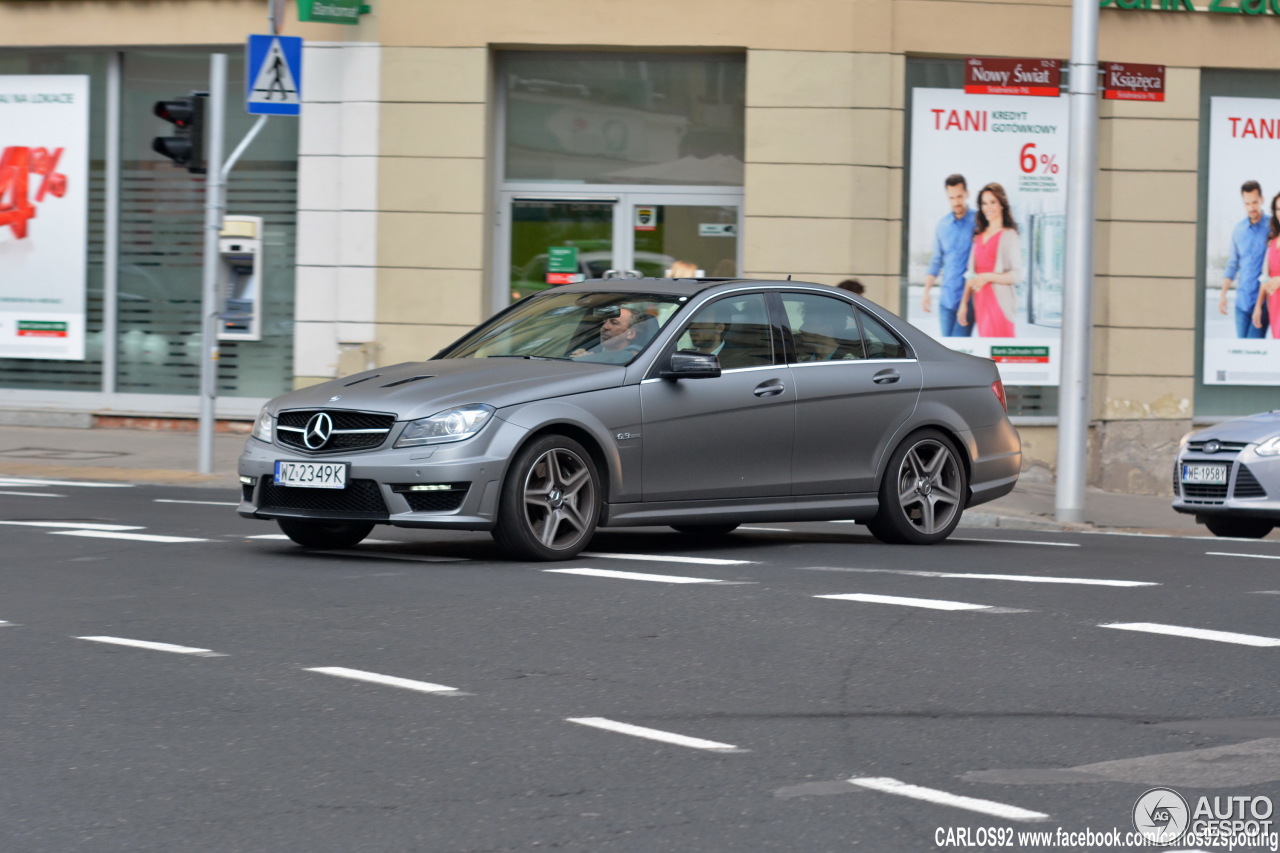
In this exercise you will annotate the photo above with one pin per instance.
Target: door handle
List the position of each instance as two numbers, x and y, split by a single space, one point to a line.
886 377
769 389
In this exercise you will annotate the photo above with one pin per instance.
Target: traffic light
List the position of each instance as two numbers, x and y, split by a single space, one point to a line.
186 148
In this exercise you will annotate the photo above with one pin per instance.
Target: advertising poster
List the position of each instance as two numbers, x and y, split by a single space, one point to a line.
44 205
1014 312
1240 345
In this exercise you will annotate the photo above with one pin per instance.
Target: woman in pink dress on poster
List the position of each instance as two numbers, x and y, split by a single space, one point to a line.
1269 291
995 266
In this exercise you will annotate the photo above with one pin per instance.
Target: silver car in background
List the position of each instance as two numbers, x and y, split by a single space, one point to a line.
1228 476
698 404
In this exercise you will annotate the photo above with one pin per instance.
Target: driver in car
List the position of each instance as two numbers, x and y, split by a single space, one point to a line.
617 334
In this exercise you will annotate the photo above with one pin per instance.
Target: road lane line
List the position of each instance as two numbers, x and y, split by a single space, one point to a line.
654 734
202 503
34 494
887 785
133 537
769 529
1015 541
988 577
79 525
18 481
631 576
155 647
662 558
928 603
1230 554
1196 633
388 680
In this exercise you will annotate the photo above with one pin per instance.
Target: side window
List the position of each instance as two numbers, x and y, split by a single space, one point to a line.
735 329
881 343
824 329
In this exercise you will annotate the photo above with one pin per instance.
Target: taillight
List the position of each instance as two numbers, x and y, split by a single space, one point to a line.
997 388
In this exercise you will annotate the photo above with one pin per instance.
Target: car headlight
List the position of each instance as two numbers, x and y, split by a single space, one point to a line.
1270 447
264 426
451 425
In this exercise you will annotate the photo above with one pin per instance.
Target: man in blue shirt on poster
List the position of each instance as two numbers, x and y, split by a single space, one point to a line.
951 245
1244 265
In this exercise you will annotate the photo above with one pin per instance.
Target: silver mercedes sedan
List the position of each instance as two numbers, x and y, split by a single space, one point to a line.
1228 476
695 403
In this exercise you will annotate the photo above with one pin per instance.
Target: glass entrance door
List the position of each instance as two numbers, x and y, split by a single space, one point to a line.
684 238
549 240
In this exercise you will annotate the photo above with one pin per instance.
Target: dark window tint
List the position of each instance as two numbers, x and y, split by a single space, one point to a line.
824 329
735 329
881 343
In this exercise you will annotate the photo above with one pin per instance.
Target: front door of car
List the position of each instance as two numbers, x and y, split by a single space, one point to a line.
855 388
727 437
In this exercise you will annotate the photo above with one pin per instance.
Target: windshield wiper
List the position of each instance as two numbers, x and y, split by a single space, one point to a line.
538 357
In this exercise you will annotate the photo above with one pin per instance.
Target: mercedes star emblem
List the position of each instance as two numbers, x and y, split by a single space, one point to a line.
319 428
1212 446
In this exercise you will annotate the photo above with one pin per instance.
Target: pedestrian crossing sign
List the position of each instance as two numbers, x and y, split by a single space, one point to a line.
273 76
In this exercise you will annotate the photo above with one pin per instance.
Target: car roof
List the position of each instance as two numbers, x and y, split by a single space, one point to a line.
673 286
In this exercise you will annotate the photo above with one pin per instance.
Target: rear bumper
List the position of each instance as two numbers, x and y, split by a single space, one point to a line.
996 452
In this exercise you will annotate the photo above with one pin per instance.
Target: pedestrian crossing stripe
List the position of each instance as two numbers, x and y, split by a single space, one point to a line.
274 74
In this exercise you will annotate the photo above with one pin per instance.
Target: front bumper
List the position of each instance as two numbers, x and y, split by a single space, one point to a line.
1252 489
378 483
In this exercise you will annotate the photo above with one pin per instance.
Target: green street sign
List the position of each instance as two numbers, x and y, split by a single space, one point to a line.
562 259
332 11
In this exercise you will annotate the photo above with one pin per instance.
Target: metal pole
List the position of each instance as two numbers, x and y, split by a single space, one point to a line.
111 230
210 306
1077 314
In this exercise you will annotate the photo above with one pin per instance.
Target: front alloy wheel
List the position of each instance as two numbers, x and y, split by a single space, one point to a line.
922 493
550 501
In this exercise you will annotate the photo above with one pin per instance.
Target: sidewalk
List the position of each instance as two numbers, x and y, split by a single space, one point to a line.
170 458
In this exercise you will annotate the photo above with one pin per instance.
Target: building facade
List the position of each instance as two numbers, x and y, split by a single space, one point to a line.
444 149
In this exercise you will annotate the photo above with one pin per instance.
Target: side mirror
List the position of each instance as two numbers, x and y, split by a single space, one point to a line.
690 364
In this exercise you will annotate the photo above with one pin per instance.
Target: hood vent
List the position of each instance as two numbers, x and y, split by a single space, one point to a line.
406 381
365 379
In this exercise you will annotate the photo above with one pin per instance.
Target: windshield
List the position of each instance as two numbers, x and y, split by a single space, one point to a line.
602 327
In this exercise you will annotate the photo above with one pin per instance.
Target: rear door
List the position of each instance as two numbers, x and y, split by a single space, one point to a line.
856 384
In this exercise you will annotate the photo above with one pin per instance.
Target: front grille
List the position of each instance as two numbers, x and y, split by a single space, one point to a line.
246 492
1247 485
441 500
360 499
1177 478
349 429
1200 493
1226 447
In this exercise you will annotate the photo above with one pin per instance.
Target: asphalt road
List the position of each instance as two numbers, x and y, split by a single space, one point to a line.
805 688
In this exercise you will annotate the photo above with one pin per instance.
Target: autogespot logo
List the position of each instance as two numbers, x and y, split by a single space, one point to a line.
1161 815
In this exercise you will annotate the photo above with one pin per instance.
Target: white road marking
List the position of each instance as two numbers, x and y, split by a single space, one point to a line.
282 537
34 494
1014 541
382 555
389 680
928 603
942 798
1196 633
654 734
133 537
156 647
992 577
631 576
663 558
79 525
769 529
203 503
16 481
1229 554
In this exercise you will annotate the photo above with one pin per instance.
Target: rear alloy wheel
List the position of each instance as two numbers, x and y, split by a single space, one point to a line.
705 529
1239 528
550 501
324 534
922 493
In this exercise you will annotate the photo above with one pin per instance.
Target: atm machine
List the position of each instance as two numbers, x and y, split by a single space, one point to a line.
240 269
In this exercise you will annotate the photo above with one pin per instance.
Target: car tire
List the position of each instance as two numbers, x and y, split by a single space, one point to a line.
324 534
705 529
922 493
1239 528
550 502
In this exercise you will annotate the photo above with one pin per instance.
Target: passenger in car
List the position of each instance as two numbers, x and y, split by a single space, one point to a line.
825 337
